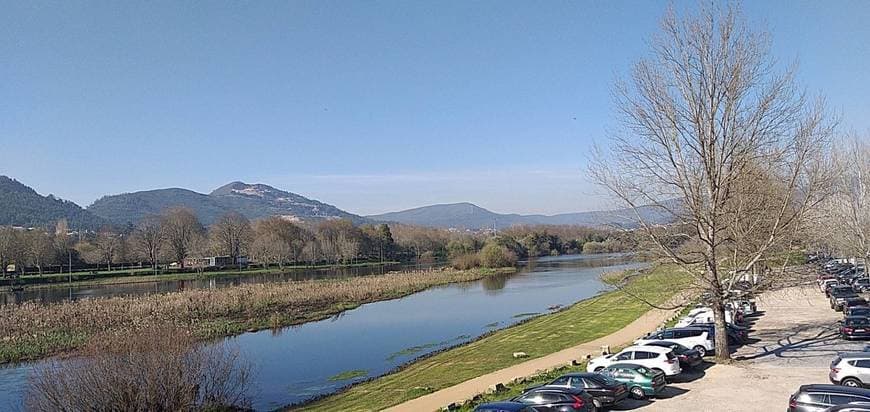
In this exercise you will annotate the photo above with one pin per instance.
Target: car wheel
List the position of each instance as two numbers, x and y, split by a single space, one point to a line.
595 406
701 350
851 382
637 392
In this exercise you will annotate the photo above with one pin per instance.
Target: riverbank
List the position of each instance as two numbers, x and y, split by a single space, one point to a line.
120 277
32 330
582 322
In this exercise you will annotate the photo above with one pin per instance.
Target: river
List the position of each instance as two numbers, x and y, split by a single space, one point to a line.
297 363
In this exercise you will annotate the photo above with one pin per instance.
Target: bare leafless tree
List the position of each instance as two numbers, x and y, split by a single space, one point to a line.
157 369
40 249
845 219
148 238
712 137
182 229
231 235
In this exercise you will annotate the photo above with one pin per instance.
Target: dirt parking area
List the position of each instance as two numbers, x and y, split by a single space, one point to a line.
793 341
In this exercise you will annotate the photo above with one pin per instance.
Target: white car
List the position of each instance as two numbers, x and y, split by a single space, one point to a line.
656 358
702 315
698 339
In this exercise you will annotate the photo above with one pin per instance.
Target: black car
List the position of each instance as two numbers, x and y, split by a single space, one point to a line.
811 398
855 327
553 399
854 302
735 336
839 295
689 358
857 311
504 407
605 391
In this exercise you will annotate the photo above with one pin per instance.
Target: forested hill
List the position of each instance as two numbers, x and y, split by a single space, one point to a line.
254 201
471 216
22 206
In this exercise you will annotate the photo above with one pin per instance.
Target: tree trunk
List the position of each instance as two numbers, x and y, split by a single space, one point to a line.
723 354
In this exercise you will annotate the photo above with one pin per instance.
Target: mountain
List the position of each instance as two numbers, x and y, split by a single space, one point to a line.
470 216
22 206
254 201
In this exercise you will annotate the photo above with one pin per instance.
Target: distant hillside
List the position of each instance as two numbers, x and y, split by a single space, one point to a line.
251 200
470 216
22 206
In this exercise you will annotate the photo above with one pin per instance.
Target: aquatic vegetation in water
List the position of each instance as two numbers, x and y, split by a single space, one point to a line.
348 375
526 314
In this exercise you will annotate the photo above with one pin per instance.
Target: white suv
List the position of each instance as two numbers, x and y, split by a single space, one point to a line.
656 358
702 315
698 339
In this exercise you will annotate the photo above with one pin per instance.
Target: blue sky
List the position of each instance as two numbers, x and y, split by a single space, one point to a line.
370 105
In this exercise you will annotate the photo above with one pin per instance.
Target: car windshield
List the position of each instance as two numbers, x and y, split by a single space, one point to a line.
857 321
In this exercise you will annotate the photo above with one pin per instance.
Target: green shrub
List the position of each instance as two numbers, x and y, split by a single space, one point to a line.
496 256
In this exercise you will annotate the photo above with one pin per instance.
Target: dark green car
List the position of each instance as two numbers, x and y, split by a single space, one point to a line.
641 381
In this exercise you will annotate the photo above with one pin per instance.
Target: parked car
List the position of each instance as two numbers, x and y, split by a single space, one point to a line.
855 327
851 369
505 407
702 315
735 336
654 357
812 398
605 391
853 302
747 306
698 339
553 399
850 407
689 358
857 311
642 382
826 284
839 295
861 285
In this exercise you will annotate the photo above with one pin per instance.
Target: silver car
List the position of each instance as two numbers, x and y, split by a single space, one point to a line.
851 369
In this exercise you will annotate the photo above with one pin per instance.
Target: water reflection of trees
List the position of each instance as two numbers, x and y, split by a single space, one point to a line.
494 285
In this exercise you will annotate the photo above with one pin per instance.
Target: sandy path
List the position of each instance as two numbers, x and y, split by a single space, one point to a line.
468 389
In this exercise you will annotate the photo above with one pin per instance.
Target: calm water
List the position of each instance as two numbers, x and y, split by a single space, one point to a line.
61 293
296 363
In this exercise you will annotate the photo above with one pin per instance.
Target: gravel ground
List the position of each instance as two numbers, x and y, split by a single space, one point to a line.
794 341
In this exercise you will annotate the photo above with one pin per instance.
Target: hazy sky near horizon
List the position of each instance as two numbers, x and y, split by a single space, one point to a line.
372 106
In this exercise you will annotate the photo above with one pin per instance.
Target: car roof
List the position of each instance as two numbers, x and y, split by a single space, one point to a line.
628 365
646 348
502 406
560 389
685 328
663 343
834 388
582 375
854 355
